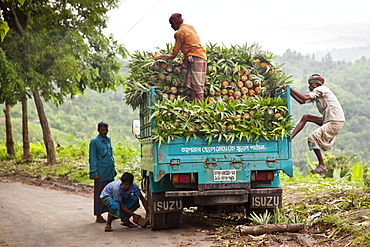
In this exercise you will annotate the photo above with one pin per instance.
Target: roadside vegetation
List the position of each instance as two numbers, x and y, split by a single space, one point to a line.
72 165
335 211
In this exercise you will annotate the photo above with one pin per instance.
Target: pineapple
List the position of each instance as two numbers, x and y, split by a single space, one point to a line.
249 84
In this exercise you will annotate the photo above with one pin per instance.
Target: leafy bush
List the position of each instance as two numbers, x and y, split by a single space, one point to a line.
72 161
339 165
3 153
73 150
127 159
344 167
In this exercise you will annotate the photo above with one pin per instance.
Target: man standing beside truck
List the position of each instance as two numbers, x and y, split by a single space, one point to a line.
102 168
194 56
330 123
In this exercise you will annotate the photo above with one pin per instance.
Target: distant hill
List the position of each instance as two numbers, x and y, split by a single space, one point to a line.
76 120
345 54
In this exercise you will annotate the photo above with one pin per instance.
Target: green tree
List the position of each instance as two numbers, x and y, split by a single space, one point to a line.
4 27
8 81
61 50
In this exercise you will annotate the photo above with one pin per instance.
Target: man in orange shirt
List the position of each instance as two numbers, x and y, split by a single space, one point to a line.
194 56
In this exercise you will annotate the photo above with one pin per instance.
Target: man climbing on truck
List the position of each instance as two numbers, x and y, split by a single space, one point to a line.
194 56
330 123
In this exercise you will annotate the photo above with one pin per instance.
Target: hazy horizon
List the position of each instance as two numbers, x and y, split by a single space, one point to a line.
305 27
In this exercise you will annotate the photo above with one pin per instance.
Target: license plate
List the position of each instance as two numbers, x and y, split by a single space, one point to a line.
167 205
265 201
224 175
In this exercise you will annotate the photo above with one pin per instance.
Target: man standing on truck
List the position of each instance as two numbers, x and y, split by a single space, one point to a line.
194 56
330 123
102 168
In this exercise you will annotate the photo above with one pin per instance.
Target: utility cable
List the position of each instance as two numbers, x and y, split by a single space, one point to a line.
140 20
115 9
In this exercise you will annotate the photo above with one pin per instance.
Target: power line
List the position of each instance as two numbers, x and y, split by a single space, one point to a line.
114 11
140 20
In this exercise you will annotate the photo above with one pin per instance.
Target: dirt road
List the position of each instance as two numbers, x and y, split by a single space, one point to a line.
34 216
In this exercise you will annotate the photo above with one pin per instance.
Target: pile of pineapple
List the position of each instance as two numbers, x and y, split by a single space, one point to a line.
240 95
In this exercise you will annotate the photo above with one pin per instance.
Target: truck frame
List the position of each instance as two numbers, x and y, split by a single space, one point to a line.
193 172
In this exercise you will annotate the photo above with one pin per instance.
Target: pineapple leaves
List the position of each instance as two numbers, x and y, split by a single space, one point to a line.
241 97
221 121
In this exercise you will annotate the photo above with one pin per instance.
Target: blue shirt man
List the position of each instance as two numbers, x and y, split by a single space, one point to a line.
122 198
114 190
102 168
101 158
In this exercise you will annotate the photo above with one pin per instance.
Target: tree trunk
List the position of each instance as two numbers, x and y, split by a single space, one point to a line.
9 134
25 133
49 145
270 228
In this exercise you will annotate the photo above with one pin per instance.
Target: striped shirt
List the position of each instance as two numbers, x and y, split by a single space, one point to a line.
327 104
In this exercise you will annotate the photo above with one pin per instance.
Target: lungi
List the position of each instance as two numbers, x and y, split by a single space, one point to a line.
99 206
323 137
195 76
132 203
113 206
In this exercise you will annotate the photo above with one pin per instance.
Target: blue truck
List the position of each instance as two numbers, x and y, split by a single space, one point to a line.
193 172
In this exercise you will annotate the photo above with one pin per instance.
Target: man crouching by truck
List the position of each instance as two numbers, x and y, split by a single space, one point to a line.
122 199
330 123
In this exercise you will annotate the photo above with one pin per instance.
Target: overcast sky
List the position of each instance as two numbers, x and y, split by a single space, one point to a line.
276 25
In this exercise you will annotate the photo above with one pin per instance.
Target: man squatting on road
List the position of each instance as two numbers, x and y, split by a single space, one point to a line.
122 199
102 168
330 123
194 56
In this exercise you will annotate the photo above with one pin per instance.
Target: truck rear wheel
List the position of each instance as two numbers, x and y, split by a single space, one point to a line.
157 220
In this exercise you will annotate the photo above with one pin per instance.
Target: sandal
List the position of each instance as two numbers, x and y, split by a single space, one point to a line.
319 170
108 229
129 225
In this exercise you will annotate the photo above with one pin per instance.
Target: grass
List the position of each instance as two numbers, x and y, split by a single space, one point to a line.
72 162
338 209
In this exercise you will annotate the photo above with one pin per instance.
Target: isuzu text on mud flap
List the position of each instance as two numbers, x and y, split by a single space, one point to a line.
194 172
265 201
168 205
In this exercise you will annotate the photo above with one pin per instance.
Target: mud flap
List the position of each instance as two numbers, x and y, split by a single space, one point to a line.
264 199
165 212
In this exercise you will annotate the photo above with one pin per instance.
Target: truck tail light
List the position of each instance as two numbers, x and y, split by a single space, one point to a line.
182 178
262 176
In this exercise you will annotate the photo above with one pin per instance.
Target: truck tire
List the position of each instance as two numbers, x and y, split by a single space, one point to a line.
157 220
174 219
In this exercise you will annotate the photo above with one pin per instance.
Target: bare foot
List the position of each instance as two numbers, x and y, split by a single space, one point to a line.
100 219
320 169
